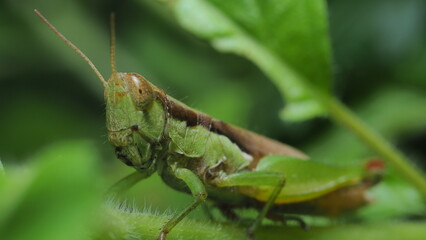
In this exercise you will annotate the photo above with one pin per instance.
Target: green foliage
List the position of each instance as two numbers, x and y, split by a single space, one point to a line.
58 191
49 95
288 40
391 123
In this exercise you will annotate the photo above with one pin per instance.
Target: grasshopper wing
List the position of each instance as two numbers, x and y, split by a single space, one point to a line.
305 180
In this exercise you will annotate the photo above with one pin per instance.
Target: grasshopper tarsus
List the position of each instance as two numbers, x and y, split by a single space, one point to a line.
283 218
302 224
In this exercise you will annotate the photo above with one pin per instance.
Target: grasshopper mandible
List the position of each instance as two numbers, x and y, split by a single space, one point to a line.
235 168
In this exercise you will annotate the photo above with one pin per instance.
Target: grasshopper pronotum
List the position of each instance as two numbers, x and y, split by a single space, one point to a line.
234 167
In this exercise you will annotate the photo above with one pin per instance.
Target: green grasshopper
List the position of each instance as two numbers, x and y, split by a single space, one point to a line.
236 168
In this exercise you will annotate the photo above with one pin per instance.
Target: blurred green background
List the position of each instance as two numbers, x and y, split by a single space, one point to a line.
48 94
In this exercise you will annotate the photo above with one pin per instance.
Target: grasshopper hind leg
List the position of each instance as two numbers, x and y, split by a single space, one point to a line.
257 178
262 214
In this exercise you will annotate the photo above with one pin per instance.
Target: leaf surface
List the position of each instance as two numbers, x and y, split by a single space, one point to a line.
57 193
287 39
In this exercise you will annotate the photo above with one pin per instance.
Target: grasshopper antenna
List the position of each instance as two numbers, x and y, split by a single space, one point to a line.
78 51
112 47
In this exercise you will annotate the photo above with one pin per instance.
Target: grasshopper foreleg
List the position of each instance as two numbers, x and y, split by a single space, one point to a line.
126 183
198 192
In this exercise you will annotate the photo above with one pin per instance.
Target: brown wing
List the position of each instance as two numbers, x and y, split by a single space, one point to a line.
254 144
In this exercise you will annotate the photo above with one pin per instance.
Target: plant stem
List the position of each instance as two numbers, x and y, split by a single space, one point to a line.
117 224
343 115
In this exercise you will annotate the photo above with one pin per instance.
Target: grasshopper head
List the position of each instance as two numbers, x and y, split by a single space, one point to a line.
129 102
127 95
128 98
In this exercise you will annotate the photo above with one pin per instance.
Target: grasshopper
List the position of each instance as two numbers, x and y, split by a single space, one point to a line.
235 168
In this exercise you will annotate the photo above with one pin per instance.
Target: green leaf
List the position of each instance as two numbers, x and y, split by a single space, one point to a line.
54 198
287 39
393 198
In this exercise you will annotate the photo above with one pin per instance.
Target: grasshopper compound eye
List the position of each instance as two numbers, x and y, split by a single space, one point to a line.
134 86
140 90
